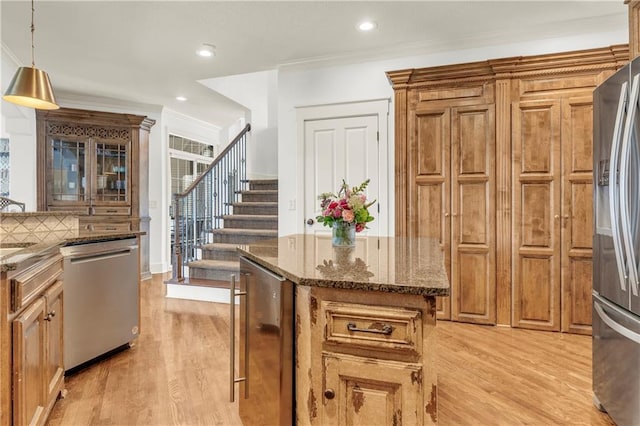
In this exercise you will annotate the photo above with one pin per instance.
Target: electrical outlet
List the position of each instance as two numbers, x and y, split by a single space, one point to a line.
292 204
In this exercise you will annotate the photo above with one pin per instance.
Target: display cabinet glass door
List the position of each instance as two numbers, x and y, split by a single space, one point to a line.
69 170
111 179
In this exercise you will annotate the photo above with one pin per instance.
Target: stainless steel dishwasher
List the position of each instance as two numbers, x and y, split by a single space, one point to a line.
100 299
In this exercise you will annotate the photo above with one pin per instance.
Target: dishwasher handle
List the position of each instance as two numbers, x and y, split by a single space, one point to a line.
104 255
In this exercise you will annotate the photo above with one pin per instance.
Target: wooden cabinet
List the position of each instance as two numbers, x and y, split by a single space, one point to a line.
364 358
451 192
96 164
552 168
494 159
32 372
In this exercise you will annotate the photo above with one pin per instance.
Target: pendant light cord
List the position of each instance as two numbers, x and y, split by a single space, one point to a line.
33 30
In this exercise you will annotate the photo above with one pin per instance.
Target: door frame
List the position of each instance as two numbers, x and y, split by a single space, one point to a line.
375 107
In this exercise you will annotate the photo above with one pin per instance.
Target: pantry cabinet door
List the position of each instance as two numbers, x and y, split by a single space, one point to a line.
473 206
536 212
577 213
429 192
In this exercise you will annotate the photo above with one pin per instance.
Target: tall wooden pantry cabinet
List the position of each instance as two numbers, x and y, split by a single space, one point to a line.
96 164
494 159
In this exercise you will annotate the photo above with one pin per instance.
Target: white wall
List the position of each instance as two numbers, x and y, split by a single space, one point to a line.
366 81
19 125
173 123
258 93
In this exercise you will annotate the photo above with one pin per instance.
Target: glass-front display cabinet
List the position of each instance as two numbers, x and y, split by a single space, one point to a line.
88 172
96 164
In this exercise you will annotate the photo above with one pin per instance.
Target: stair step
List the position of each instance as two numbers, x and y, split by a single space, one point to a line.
219 270
250 221
263 184
220 251
242 236
255 208
258 195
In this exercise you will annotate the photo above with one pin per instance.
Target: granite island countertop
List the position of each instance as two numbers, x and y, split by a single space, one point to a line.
385 264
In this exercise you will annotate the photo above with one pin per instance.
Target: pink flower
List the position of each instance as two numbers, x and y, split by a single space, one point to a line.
337 213
333 205
347 215
359 227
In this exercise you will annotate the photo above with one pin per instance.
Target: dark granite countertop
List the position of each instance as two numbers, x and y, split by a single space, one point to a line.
387 264
13 254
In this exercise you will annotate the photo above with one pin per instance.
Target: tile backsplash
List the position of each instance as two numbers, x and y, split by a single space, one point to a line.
37 226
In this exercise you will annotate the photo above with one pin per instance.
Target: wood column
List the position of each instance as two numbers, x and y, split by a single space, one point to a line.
634 28
503 202
399 80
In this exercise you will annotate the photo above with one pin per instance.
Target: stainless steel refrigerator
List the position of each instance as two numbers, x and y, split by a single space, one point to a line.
266 346
616 246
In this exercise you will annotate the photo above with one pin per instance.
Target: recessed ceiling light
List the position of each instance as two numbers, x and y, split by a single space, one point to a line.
367 26
181 98
206 50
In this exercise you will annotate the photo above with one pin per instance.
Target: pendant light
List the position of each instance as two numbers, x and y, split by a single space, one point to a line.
30 86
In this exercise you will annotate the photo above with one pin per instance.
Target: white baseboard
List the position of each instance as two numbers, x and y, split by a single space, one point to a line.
160 268
205 294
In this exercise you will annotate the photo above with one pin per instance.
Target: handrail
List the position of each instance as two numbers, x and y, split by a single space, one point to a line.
215 161
201 207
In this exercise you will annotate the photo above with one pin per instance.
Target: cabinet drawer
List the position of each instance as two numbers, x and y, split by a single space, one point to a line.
27 286
109 226
112 211
379 328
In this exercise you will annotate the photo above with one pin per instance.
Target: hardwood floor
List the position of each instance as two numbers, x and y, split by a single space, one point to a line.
177 374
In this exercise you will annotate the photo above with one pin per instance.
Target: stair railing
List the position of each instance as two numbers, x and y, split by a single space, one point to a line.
202 206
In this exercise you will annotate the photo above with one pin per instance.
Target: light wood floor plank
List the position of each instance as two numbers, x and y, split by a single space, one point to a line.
177 374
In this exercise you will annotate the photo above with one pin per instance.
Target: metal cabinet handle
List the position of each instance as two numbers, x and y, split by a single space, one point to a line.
50 315
232 342
386 329
329 393
310 221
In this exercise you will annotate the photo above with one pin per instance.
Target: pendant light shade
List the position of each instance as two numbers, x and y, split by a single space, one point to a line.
31 87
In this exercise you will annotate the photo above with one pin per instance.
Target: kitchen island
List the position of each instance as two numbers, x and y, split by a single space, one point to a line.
364 326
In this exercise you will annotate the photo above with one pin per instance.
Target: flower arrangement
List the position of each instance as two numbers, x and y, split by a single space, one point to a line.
348 206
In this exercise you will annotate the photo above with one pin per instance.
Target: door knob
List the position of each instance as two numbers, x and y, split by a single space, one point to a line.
329 393
310 221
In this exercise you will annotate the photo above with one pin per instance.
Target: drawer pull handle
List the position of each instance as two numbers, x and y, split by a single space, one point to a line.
329 394
112 211
379 328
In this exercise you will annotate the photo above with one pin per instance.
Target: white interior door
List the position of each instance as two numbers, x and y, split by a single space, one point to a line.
336 149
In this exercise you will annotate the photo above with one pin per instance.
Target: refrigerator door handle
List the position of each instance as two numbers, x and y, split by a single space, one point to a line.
624 182
614 195
623 331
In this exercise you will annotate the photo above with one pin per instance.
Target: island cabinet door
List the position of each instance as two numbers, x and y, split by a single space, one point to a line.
362 391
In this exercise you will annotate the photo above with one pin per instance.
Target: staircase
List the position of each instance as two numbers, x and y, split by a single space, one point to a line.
254 218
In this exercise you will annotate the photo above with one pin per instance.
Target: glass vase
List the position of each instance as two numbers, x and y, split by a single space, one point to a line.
343 234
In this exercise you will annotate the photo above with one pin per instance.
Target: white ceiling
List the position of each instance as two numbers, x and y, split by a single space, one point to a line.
144 51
